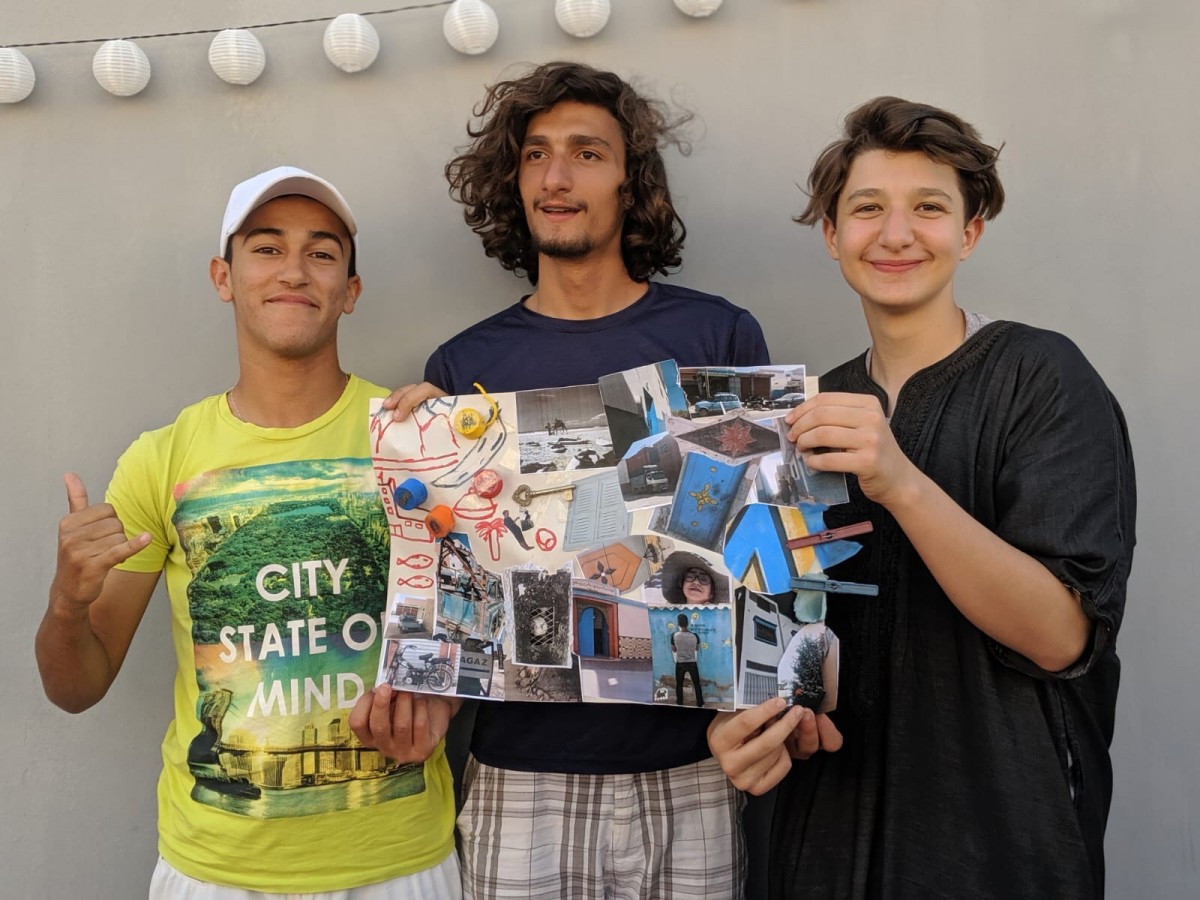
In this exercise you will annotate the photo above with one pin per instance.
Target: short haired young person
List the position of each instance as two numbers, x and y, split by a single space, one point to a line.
977 691
260 505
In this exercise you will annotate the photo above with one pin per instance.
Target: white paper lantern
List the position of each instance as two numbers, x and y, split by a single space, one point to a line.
121 68
16 75
470 26
582 18
351 42
698 8
236 56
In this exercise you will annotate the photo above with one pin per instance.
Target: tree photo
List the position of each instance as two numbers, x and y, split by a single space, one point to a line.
803 683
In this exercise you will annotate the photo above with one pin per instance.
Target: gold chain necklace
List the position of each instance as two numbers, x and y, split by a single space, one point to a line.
237 413
233 406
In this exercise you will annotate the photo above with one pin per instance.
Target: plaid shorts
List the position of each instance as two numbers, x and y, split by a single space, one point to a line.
650 836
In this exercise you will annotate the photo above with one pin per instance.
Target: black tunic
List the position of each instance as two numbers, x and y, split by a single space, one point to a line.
967 771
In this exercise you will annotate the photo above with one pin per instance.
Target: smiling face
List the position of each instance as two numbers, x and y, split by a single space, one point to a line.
901 231
287 278
570 176
697 586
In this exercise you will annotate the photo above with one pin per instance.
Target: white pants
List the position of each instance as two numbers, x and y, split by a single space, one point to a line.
440 882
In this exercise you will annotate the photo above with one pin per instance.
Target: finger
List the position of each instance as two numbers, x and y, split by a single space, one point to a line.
832 461
832 437
839 398
359 715
400 725
379 719
831 737
772 777
419 715
410 397
818 402
406 401
393 398
797 412
851 410
124 550
790 746
745 764
440 712
90 557
758 772
103 540
809 418
776 733
732 730
77 495
91 522
805 739
86 527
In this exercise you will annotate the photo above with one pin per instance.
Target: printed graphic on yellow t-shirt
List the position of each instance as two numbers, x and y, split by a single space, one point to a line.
288 568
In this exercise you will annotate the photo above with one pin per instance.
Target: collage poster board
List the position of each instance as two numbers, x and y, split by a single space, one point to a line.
652 538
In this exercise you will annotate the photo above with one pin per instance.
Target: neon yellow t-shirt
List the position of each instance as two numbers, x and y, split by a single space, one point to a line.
275 549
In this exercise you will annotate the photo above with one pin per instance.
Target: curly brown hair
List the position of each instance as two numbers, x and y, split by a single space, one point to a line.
484 176
901 126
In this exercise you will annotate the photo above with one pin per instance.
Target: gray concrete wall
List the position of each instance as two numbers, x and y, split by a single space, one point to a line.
109 211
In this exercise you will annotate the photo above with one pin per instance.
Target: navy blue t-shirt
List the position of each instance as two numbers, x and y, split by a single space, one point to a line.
519 350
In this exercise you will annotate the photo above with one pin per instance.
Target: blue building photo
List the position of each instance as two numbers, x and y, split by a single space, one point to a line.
713 627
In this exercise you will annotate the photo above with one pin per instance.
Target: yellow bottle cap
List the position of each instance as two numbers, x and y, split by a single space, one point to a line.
469 423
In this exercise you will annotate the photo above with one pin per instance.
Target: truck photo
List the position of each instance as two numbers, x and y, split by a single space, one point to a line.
649 480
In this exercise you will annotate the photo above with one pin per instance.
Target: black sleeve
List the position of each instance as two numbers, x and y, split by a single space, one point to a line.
1065 489
436 371
747 346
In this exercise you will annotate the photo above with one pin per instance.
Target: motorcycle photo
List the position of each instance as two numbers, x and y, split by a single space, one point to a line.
412 667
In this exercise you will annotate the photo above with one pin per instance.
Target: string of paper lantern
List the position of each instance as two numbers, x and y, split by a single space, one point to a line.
470 26
698 8
237 56
121 68
16 75
351 43
582 18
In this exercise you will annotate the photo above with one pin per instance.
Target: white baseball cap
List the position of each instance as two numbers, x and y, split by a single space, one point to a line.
281 182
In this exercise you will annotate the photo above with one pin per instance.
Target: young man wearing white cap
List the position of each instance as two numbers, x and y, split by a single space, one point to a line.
259 504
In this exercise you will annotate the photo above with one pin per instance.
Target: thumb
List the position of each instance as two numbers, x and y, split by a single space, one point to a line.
77 495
